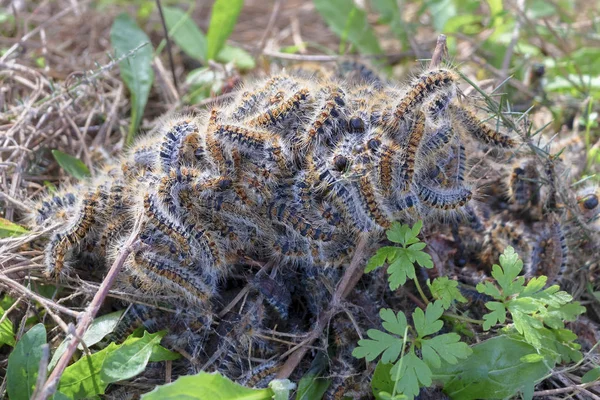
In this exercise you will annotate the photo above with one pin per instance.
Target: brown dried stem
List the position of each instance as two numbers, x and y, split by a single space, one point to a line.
441 49
88 316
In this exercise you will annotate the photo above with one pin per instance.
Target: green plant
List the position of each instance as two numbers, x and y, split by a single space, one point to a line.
414 355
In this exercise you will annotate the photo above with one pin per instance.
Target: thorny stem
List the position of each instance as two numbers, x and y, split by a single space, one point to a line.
88 315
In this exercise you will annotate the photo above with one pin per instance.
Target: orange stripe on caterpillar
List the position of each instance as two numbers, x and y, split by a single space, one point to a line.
63 241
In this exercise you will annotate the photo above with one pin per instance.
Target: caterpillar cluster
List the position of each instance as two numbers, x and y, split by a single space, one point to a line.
288 174
292 170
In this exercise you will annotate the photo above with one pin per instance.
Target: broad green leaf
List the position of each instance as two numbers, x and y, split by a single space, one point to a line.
99 328
414 373
348 21
428 323
446 291
72 165
7 335
130 358
136 70
23 363
382 381
223 18
83 379
392 322
185 33
382 255
498 314
311 385
379 343
239 57
447 346
532 358
206 386
159 353
493 371
591 376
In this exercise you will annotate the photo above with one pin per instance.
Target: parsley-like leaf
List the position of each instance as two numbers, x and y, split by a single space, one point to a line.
446 291
498 314
401 269
379 343
383 254
428 323
413 374
447 346
394 323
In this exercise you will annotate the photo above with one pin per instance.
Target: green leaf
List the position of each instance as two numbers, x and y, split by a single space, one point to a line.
382 380
9 229
58 353
380 342
348 21
311 385
99 328
511 268
493 371
392 322
136 70
497 316
206 386
398 233
7 335
381 256
447 346
72 165
222 21
239 57
532 358
23 363
159 353
413 373
490 289
401 269
591 376
446 291
416 255
83 379
130 358
185 33
429 322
